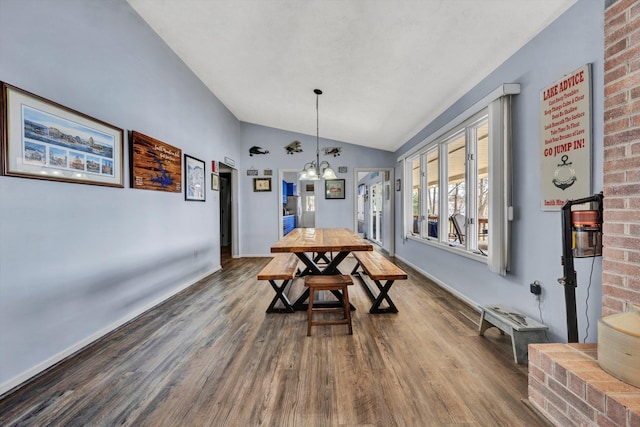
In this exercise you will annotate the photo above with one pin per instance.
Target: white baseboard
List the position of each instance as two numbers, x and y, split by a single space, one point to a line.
443 285
71 350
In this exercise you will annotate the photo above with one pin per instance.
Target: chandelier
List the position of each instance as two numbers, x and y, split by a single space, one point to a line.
313 170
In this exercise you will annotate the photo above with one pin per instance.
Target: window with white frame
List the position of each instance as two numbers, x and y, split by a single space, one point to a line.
464 180
459 186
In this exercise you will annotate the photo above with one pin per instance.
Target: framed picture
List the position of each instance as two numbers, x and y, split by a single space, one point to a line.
261 184
215 182
155 165
45 140
194 189
398 184
334 189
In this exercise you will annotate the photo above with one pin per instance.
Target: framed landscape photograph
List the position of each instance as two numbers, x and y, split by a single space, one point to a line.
261 184
45 140
155 165
194 189
334 189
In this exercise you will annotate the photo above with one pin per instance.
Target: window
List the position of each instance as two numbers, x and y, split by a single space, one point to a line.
459 184
461 149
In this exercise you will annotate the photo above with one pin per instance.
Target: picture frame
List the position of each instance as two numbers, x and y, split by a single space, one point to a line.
334 189
261 184
215 182
155 165
42 139
194 185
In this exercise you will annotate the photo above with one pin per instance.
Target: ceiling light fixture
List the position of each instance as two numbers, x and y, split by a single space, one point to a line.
314 169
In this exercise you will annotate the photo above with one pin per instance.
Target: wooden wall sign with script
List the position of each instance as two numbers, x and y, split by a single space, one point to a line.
155 164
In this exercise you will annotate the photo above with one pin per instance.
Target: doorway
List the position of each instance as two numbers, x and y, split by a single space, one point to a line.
228 213
301 203
375 220
308 197
375 200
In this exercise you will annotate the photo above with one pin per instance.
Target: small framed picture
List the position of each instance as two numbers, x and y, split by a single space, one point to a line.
193 179
215 182
334 189
398 184
261 184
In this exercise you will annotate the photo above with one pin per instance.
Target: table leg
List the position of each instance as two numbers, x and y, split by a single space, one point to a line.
313 268
332 268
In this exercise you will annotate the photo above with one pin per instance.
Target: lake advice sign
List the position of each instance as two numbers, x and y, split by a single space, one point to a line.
565 128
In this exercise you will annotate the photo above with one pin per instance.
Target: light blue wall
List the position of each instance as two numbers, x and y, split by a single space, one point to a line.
99 57
259 217
574 39
77 260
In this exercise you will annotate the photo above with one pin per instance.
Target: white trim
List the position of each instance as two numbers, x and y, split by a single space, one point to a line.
500 91
78 346
443 285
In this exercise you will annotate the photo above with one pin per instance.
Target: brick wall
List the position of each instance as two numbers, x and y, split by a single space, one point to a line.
621 237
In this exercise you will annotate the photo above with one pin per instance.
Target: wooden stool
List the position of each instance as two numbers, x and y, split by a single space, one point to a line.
329 283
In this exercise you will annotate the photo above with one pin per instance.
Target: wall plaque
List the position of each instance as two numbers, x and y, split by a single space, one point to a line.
565 128
156 165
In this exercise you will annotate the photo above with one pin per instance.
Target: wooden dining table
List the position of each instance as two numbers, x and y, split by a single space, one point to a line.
311 246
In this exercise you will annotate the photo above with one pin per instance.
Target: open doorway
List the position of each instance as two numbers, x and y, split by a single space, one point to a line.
297 201
374 213
228 183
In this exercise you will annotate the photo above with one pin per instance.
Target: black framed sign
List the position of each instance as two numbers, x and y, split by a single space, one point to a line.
334 189
194 179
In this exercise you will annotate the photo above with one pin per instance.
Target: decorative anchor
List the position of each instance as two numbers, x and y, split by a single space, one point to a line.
566 181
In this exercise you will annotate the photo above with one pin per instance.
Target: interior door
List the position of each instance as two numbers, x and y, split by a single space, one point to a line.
308 200
376 213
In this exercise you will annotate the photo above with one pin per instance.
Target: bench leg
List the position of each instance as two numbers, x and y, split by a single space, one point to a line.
280 296
520 342
383 295
355 269
484 324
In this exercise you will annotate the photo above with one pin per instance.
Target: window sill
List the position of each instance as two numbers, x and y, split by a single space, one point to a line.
458 250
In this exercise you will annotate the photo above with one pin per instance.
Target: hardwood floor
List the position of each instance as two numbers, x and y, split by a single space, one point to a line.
211 356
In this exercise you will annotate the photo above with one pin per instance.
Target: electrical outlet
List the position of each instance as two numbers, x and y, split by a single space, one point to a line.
535 288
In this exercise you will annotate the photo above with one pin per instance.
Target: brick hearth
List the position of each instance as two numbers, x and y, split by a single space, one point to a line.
568 387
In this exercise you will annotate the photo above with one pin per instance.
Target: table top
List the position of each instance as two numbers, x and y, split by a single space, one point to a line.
321 240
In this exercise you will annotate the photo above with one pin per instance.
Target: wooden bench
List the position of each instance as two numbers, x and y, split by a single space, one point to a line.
522 329
378 268
283 267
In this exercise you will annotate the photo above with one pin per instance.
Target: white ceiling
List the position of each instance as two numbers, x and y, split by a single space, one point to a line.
387 68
